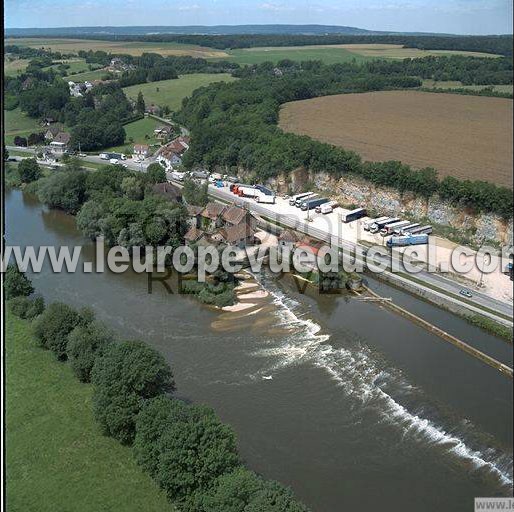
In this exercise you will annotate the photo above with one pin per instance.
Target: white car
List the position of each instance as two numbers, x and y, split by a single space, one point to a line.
113 161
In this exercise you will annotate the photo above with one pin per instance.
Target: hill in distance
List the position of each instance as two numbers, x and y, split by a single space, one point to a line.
203 30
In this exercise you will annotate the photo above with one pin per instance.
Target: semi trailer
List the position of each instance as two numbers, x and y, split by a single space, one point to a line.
292 200
378 225
326 207
358 213
402 241
389 229
312 203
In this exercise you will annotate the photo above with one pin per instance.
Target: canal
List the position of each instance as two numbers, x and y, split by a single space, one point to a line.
349 404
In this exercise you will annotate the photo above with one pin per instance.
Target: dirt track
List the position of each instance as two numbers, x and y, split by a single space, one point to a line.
462 136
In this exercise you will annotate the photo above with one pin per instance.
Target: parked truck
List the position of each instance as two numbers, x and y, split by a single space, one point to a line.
379 224
326 207
358 213
265 198
299 197
407 229
367 225
310 204
242 190
389 229
402 241
422 230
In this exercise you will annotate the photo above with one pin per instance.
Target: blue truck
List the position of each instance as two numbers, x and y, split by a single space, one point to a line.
310 204
402 241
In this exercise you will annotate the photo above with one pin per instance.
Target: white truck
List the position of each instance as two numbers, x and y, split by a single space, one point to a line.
298 197
367 224
326 207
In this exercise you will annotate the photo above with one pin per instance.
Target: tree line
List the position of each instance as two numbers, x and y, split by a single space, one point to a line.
501 45
235 125
184 447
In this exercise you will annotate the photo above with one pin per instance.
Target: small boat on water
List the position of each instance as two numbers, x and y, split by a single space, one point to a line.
267 377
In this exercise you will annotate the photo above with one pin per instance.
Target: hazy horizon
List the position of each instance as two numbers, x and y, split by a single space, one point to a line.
473 17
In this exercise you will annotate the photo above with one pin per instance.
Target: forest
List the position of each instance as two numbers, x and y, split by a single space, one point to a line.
235 126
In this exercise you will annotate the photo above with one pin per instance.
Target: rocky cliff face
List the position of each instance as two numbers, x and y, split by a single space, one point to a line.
352 191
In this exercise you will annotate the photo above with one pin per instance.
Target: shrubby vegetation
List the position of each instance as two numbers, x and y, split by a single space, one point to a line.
27 308
234 125
195 193
184 448
16 283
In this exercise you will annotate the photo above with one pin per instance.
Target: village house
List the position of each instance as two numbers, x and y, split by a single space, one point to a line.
219 224
141 150
52 132
210 217
240 235
47 121
193 215
163 132
235 215
153 109
171 154
60 143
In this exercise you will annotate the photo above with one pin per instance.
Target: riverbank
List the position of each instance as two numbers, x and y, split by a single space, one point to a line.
358 394
57 457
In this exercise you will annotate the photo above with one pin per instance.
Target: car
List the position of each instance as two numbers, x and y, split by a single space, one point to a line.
113 161
466 293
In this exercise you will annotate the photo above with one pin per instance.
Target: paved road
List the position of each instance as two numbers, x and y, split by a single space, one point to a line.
431 279
131 164
439 281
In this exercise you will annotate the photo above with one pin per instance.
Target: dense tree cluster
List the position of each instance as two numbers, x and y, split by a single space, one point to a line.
469 71
185 448
16 283
501 45
117 204
234 125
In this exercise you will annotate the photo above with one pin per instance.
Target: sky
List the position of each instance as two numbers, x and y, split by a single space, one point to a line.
449 16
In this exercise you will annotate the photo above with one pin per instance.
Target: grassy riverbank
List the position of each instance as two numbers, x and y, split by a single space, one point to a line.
57 459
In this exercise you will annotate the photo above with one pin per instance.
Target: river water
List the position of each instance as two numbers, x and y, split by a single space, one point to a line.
352 406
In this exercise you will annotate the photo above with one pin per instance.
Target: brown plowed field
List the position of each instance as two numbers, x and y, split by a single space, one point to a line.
463 136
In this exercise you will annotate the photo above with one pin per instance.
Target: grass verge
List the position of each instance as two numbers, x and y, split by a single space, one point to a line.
56 457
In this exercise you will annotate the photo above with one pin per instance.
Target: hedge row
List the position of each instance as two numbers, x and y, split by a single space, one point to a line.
185 448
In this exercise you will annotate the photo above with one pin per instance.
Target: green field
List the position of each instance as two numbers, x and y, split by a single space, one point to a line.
57 459
87 75
18 123
326 54
458 85
136 134
172 92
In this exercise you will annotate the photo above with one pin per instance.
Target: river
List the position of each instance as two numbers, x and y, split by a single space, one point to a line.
351 405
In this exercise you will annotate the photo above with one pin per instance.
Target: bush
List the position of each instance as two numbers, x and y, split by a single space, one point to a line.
29 170
27 308
54 325
85 344
16 283
275 498
232 492
128 373
37 307
19 306
193 454
64 190
155 416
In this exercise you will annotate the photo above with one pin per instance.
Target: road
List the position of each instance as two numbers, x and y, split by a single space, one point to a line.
432 280
95 159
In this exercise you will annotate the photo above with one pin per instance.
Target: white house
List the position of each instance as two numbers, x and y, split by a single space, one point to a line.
141 150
